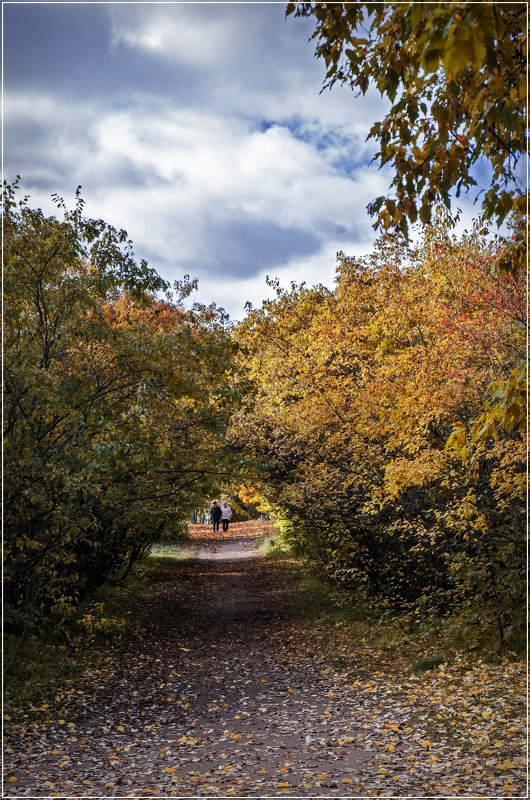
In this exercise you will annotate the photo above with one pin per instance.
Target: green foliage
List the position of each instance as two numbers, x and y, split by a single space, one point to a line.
273 546
455 74
52 659
426 664
94 625
115 408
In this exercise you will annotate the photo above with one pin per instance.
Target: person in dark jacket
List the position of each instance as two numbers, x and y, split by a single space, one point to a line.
215 515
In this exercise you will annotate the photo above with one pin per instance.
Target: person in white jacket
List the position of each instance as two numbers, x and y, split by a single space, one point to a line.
226 513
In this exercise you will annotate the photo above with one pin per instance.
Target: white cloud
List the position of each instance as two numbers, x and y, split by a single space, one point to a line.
243 59
236 168
201 192
202 38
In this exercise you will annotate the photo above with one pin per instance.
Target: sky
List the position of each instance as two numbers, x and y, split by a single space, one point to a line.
201 129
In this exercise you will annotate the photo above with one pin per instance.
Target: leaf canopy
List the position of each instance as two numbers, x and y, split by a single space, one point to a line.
455 74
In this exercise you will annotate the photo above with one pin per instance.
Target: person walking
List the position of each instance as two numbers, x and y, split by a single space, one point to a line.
215 515
226 513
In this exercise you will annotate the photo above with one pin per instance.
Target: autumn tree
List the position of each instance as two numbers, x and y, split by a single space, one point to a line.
455 74
357 392
115 407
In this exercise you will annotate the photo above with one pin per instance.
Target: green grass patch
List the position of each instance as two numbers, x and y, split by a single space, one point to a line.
45 666
426 664
422 642
272 546
170 552
51 658
359 635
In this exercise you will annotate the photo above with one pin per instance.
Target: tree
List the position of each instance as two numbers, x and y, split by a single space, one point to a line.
455 74
356 393
116 404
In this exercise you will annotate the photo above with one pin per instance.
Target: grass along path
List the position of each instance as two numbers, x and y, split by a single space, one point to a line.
219 691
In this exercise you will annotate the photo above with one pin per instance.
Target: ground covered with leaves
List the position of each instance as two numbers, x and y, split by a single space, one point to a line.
218 689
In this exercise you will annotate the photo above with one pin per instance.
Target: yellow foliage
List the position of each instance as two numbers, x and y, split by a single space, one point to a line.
364 421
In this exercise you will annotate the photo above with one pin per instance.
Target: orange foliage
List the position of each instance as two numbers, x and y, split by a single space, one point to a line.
358 391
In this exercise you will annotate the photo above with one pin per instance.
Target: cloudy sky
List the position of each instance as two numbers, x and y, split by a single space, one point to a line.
200 129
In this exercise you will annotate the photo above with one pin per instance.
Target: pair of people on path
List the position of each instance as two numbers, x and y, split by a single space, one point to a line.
222 513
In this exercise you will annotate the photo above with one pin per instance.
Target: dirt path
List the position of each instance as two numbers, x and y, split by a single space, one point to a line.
213 698
217 696
231 549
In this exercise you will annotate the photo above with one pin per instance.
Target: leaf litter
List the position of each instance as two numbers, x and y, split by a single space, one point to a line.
220 693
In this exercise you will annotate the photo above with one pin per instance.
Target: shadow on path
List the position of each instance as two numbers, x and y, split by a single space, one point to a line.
213 697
